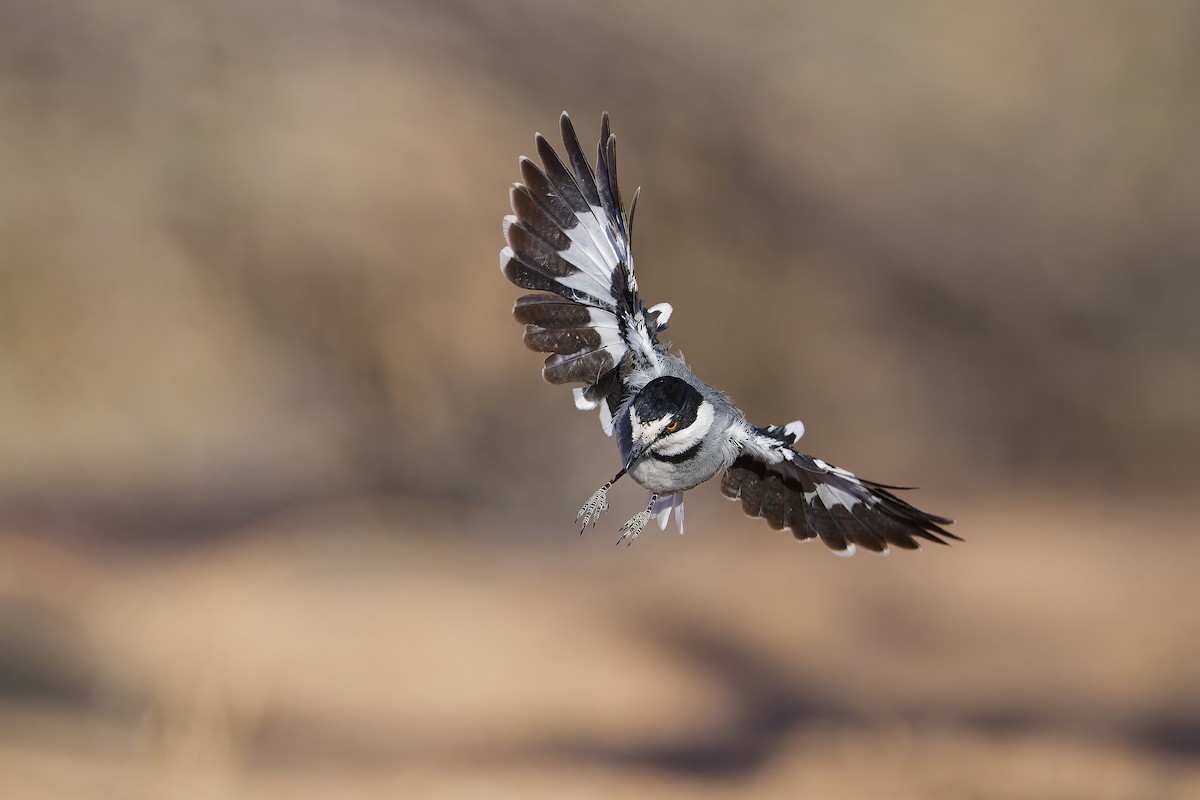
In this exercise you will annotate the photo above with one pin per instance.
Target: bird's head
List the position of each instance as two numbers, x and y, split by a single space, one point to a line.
668 418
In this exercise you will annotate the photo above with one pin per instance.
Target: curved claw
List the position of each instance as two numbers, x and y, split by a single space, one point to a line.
634 527
593 509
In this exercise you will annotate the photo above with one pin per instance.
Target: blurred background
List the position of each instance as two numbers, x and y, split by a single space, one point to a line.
286 509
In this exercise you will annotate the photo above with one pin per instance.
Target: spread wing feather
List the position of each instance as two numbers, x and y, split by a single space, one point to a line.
568 235
792 490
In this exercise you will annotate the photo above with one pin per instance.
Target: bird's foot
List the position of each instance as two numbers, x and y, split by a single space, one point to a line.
635 526
592 510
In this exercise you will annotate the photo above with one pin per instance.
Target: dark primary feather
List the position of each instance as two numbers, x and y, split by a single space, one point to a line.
561 178
563 341
599 189
569 227
519 271
549 311
608 389
537 218
560 327
539 254
606 166
579 163
543 191
777 492
586 367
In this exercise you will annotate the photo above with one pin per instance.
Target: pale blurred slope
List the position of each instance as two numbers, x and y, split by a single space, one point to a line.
290 662
248 252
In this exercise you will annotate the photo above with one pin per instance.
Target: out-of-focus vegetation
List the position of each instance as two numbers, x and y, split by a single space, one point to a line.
284 503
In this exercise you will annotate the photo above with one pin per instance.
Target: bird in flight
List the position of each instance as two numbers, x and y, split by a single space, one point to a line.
569 242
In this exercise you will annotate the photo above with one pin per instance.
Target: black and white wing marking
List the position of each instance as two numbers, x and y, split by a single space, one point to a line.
569 235
792 490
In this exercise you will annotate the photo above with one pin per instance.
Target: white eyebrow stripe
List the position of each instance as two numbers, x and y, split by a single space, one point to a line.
645 431
683 440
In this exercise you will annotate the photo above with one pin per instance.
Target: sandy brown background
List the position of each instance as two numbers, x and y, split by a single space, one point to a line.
285 509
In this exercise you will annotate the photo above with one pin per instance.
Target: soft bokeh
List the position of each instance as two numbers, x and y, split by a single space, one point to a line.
285 509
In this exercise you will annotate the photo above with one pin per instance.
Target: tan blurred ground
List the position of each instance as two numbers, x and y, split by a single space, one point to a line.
285 510
1049 659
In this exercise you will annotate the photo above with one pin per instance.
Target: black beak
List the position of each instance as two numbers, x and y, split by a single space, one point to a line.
637 453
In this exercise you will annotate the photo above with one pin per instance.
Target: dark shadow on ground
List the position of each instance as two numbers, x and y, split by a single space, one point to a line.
769 704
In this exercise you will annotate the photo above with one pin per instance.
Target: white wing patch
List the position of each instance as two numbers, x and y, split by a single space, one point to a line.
591 246
568 235
663 310
813 498
831 495
835 470
581 402
606 419
593 277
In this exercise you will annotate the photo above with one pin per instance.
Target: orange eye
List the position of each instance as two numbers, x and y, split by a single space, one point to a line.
673 424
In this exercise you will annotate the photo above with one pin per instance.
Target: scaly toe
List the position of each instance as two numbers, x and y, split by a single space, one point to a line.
592 510
634 527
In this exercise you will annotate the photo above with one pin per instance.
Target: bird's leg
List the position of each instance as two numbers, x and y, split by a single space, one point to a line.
638 523
596 505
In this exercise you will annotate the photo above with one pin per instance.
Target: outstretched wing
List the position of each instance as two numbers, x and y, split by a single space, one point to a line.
792 490
569 236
